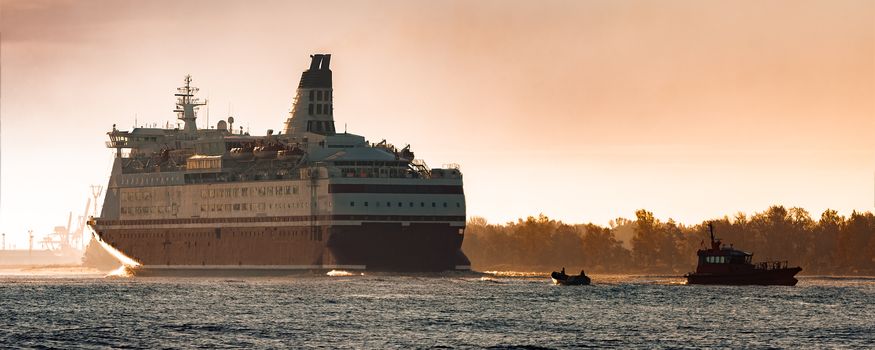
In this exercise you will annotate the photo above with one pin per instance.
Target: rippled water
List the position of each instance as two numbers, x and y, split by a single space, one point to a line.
409 311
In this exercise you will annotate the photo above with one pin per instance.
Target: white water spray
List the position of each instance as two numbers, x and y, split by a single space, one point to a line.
127 262
340 273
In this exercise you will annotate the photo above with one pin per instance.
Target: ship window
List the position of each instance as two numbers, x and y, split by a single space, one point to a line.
411 204
351 204
433 204
445 204
458 205
310 108
422 204
388 204
312 93
318 109
400 204
319 95
366 204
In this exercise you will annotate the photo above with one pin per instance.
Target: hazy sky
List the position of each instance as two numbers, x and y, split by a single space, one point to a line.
581 110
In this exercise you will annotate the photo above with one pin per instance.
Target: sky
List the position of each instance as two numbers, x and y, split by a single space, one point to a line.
584 111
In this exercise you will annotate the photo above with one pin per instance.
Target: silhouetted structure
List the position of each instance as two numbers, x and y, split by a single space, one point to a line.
832 245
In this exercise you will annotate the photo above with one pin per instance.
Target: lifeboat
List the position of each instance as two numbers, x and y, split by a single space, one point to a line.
265 152
289 154
240 153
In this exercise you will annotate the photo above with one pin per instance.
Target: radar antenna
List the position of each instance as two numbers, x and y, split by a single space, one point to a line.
187 104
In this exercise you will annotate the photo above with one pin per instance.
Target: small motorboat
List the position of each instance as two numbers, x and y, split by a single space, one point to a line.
566 280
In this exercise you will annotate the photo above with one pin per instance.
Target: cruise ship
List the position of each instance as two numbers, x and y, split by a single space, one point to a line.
189 199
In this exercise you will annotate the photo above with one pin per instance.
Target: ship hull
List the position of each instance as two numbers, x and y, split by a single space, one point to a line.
287 249
775 277
397 247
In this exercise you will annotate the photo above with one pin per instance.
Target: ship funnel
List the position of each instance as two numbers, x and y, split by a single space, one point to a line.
314 64
313 108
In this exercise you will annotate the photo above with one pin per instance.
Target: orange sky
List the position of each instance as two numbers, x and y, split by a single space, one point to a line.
582 110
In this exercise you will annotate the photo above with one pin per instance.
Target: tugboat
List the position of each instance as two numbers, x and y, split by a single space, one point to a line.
728 266
566 280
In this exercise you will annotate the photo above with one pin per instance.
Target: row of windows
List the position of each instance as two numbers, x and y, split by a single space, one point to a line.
320 108
250 191
253 206
268 191
148 180
320 127
319 95
409 204
717 259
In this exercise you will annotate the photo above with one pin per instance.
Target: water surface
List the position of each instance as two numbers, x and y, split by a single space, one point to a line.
424 311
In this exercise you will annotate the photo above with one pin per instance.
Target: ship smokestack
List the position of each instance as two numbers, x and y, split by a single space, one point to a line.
313 107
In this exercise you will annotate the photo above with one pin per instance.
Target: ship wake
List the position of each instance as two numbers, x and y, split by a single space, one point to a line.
341 273
125 270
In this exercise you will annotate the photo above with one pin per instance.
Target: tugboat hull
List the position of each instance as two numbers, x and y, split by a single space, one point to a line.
776 277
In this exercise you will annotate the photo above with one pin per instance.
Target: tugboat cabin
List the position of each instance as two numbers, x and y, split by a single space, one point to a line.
723 259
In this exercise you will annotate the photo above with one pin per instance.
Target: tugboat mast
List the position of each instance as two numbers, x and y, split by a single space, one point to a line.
711 228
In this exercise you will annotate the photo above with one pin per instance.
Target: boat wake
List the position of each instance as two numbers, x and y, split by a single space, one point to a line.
127 263
121 272
341 273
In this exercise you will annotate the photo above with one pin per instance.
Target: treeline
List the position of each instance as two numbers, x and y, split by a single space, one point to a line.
831 245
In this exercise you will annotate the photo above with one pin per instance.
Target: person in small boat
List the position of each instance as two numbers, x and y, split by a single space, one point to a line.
581 273
563 271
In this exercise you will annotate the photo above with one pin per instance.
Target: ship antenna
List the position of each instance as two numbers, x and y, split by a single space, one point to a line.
711 229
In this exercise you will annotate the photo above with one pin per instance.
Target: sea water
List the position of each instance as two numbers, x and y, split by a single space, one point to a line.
498 310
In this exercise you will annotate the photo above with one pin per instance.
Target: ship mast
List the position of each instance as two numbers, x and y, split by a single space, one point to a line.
186 106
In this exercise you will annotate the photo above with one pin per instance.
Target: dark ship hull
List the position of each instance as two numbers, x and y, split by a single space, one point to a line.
286 249
775 277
